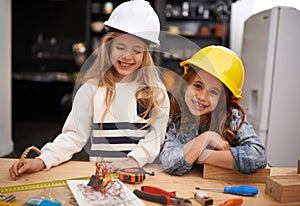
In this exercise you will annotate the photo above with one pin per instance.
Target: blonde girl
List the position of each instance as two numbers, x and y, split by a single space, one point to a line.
121 109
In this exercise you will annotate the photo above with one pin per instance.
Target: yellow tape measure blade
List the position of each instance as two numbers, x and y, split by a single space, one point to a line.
32 186
41 185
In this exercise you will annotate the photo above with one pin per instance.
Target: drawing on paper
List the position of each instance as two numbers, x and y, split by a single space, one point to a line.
117 193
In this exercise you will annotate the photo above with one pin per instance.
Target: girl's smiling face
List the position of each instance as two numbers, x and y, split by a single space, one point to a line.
126 55
203 94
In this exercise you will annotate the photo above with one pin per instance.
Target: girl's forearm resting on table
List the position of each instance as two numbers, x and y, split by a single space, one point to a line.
194 148
220 158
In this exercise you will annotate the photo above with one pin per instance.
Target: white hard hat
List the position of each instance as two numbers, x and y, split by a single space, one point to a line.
136 17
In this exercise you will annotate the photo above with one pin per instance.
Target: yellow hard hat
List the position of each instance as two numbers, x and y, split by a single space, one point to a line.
222 63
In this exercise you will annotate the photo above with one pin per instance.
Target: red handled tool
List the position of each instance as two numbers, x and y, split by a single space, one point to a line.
161 196
232 202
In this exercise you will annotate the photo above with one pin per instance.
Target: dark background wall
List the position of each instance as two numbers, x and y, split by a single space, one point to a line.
43 32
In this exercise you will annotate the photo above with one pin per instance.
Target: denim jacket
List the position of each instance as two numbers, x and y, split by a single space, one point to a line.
249 155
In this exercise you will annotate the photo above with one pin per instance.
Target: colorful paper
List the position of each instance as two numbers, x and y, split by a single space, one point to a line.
117 194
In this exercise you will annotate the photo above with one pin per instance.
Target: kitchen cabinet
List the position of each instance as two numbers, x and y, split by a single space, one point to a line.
42 53
99 12
43 33
199 19
47 45
192 25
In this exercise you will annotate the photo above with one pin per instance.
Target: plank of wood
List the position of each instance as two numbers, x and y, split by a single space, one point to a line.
218 173
284 188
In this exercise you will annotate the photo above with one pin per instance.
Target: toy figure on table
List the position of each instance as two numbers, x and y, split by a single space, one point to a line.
102 177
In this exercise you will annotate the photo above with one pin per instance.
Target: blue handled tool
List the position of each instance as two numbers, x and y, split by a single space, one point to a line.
238 190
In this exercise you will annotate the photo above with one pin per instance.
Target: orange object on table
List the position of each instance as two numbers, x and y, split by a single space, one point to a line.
232 202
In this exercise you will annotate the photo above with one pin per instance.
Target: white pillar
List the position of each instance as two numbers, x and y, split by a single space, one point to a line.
6 144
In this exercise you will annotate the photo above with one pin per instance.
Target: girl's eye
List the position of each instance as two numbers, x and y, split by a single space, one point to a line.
198 86
121 48
214 92
137 50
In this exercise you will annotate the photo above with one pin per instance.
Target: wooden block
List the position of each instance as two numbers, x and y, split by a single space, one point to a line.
298 171
218 173
284 188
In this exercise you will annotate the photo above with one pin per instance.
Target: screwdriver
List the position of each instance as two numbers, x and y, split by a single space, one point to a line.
238 190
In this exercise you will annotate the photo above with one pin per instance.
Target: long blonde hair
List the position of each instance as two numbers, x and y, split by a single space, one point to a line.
147 75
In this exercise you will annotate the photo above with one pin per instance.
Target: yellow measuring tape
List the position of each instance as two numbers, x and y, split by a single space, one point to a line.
41 185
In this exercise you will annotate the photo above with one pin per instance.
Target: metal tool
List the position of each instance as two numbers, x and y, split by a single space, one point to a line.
9 198
161 196
7 201
1 197
243 190
203 198
232 202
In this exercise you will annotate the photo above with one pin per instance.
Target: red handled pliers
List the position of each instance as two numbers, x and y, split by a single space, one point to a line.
158 195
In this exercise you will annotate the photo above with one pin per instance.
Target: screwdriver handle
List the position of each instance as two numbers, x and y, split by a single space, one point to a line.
241 190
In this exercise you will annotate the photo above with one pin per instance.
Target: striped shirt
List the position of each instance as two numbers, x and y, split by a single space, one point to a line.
122 128
123 132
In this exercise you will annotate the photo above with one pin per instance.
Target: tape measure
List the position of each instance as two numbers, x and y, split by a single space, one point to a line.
40 185
133 175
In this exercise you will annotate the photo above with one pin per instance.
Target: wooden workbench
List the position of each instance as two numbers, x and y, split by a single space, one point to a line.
183 185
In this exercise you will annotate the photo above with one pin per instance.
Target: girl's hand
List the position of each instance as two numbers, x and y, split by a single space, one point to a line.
217 141
29 165
223 144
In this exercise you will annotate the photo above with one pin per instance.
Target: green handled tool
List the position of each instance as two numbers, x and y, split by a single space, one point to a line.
238 190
